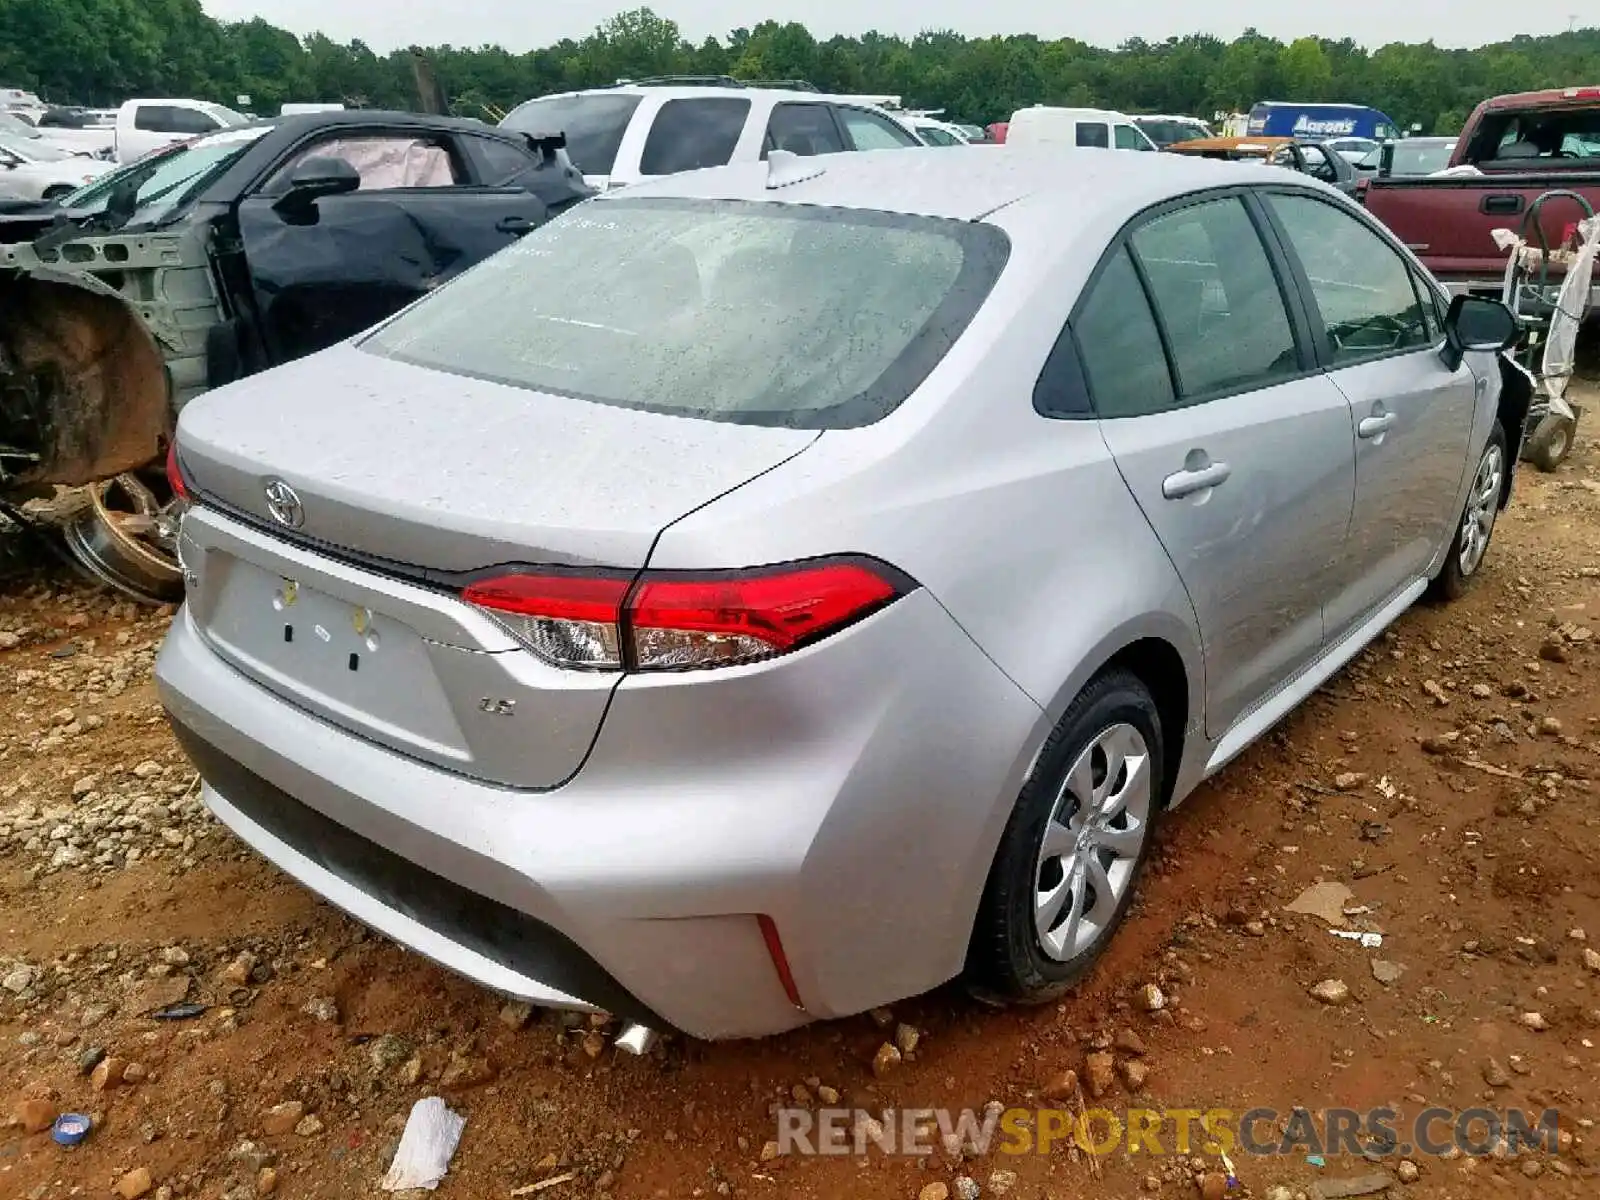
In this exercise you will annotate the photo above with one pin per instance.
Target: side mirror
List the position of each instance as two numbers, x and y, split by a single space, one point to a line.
316 177
1476 323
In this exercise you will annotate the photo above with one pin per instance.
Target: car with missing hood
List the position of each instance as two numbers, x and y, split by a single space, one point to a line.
769 592
1309 158
220 256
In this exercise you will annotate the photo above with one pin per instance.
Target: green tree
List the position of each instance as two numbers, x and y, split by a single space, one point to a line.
1305 71
103 51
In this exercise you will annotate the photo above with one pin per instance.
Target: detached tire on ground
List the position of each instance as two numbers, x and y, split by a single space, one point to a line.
1550 442
1475 526
1074 847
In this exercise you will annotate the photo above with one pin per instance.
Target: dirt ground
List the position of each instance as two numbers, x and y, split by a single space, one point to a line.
1446 778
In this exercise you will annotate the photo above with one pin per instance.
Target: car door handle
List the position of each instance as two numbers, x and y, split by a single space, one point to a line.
1371 427
1504 205
1187 483
514 225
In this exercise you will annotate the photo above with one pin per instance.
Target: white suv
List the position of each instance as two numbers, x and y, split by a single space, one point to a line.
648 128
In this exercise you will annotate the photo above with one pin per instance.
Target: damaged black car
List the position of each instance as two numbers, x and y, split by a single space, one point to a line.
217 258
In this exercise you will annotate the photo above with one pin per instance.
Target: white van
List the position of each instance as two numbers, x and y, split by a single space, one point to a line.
1094 128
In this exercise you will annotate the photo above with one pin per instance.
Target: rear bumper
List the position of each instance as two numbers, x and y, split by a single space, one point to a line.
499 946
854 792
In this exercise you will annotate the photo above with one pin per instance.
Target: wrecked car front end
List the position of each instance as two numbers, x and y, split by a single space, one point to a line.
102 339
189 269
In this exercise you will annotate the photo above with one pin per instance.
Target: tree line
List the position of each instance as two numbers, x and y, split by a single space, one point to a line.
99 52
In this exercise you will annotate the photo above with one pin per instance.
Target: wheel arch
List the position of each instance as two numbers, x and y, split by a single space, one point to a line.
1164 654
1158 665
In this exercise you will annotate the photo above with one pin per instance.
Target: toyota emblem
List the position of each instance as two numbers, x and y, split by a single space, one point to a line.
284 504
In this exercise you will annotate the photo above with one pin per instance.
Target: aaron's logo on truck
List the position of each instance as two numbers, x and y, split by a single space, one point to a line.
1309 126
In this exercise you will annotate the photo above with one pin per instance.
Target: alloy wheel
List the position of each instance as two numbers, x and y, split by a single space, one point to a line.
1483 506
1092 842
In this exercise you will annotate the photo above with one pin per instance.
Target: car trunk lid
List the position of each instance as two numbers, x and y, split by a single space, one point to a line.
442 474
406 483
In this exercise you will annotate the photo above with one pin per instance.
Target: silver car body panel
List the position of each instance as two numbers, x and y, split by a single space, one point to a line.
705 800
648 820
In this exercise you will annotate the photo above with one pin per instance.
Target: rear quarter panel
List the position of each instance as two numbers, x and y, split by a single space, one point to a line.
1019 526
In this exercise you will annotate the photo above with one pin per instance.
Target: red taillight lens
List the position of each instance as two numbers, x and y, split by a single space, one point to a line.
175 479
668 622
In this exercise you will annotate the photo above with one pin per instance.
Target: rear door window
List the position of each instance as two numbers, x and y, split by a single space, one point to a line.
690 134
870 131
804 129
1218 299
500 162
1094 133
594 124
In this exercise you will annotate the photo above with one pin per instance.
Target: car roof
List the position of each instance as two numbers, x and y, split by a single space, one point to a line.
689 91
1552 97
169 100
1078 114
296 123
935 183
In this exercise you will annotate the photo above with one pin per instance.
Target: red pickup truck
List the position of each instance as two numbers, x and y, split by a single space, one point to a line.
1512 150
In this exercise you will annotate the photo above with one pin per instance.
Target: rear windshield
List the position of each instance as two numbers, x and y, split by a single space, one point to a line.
1511 139
1415 158
755 313
594 124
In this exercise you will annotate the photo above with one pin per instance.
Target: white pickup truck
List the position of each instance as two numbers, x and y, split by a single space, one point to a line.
146 125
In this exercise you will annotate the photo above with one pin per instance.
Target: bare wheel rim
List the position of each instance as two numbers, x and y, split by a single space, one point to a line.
1092 842
1483 506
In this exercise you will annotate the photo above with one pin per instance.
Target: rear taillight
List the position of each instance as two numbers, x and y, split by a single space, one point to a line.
567 620
175 479
678 621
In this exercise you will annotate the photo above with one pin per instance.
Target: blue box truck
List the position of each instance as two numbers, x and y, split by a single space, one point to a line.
1286 118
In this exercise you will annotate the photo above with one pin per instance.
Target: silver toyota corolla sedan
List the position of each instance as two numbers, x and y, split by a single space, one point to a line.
770 592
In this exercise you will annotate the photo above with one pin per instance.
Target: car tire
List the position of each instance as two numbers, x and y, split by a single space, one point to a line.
1113 723
1551 442
1475 526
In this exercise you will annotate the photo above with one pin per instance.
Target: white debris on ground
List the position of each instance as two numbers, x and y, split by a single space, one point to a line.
426 1147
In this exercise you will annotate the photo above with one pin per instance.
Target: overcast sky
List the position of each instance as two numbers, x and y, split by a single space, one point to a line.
386 24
